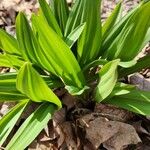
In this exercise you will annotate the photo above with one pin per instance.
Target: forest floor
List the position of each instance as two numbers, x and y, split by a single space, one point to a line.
91 127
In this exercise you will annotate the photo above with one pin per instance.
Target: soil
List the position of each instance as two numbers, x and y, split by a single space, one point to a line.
89 126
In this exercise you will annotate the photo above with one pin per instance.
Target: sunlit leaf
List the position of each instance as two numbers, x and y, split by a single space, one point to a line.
8 82
74 35
24 37
115 31
90 41
135 101
86 11
127 64
75 91
32 126
122 88
30 83
61 12
9 120
146 39
108 78
61 60
8 43
4 62
12 61
141 64
128 43
111 20
49 16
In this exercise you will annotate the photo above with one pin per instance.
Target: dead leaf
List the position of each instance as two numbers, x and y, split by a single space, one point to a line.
141 83
66 138
69 136
42 142
140 129
59 117
112 133
116 113
69 101
125 136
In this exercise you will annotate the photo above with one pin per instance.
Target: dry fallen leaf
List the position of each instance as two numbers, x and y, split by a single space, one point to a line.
69 136
69 101
141 83
116 113
66 139
59 117
113 134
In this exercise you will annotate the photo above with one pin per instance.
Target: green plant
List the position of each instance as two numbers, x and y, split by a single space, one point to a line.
71 49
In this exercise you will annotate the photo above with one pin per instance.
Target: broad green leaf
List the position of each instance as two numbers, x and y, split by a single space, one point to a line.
53 82
11 96
74 35
111 20
101 62
128 43
122 88
8 91
30 83
115 31
108 78
89 43
8 43
24 37
141 64
32 126
145 1
61 13
4 62
9 120
31 49
74 19
49 16
95 63
8 82
75 91
128 64
14 61
8 85
7 76
61 59
146 39
135 101
86 11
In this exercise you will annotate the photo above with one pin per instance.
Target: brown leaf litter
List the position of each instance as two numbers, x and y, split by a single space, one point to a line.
114 135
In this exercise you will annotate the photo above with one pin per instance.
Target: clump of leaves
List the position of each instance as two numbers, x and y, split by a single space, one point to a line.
71 48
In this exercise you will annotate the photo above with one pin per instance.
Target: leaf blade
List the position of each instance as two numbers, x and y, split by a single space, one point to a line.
131 38
9 120
135 101
8 43
90 41
74 35
108 75
141 64
61 12
54 48
30 83
111 20
49 16
31 127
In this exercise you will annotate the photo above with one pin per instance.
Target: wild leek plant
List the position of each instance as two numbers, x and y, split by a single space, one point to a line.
71 49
